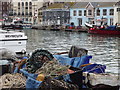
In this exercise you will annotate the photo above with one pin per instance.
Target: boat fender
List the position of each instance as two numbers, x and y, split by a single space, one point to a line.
40 77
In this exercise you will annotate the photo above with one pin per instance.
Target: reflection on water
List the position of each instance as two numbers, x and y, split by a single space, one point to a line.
104 49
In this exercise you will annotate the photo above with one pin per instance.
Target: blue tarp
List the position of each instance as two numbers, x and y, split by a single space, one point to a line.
31 82
78 61
74 62
94 68
111 27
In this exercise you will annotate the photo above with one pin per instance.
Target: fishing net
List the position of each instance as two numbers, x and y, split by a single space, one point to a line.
54 84
37 59
53 69
12 81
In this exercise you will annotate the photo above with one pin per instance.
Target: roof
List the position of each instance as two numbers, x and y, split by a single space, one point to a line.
61 5
80 5
106 4
94 4
118 3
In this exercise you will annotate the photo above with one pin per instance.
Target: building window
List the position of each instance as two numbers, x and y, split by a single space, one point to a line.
80 13
118 9
26 7
18 3
30 13
84 12
89 12
111 11
30 3
15 13
30 7
26 13
23 4
98 12
74 13
23 13
104 11
26 3
18 13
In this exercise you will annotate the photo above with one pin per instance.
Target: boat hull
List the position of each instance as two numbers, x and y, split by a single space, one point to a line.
12 26
14 41
108 32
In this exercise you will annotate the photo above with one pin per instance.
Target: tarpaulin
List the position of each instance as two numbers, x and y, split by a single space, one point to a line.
75 61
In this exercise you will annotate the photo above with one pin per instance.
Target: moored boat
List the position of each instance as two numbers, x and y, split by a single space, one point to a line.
88 25
17 23
13 40
110 30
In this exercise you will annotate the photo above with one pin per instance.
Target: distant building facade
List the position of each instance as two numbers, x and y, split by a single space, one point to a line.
27 10
5 7
40 11
57 13
83 12
117 13
56 16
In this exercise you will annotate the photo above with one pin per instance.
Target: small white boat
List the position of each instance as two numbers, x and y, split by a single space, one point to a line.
89 25
14 41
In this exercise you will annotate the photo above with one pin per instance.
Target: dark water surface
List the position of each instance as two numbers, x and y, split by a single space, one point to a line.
104 49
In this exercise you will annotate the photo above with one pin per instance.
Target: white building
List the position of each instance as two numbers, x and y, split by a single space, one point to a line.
117 13
27 9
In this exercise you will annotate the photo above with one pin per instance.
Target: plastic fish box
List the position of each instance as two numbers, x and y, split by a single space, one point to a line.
77 76
4 67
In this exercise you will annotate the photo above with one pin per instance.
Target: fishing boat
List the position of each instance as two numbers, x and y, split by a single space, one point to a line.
110 30
88 25
14 41
100 27
17 23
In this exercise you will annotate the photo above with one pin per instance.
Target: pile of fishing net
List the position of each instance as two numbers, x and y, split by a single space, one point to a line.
12 81
37 59
52 69
54 73
54 84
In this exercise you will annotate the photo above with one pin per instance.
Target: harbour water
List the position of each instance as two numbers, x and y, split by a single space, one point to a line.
104 49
